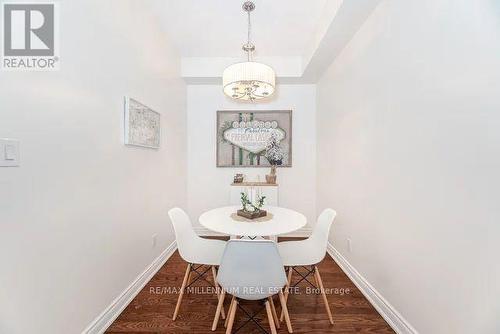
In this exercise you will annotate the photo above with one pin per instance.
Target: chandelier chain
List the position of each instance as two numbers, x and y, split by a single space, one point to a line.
249 27
248 37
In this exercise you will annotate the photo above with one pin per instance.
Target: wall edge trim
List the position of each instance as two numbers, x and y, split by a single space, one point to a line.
397 322
106 318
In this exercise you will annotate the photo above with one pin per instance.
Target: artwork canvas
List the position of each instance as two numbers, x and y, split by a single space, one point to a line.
242 136
142 125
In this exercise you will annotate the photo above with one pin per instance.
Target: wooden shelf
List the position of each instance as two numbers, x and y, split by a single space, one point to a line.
254 184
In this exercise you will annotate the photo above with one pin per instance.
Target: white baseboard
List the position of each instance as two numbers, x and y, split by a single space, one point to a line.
398 323
303 232
106 318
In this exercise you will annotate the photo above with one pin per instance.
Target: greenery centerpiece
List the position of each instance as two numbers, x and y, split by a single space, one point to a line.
252 210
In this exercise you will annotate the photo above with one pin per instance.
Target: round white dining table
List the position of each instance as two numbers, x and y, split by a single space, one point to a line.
280 221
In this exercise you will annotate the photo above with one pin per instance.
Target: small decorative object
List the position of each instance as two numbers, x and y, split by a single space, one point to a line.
252 210
274 155
238 178
242 137
142 125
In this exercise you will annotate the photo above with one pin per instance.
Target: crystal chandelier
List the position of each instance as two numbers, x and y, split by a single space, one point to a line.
248 80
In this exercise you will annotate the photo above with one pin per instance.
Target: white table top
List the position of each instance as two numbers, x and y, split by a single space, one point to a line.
283 221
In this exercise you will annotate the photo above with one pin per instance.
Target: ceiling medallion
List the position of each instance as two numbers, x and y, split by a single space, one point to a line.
250 80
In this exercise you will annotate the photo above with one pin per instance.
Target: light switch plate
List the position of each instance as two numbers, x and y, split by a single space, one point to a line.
9 152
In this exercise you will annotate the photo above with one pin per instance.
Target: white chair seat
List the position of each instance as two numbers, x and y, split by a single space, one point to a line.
194 249
299 253
251 270
211 253
312 250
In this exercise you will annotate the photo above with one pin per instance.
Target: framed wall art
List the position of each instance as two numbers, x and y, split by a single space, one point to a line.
142 125
243 135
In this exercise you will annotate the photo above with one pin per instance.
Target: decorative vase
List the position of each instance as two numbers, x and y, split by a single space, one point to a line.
271 178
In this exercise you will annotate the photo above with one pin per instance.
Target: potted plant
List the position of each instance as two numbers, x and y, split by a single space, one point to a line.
274 154
252 210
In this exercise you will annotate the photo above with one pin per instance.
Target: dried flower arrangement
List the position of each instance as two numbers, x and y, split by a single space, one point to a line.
275 155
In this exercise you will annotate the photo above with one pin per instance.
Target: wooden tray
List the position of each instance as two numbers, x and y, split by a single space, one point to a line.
251 215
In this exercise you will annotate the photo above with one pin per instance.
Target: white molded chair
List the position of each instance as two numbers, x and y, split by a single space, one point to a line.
252 270
309 252
196 251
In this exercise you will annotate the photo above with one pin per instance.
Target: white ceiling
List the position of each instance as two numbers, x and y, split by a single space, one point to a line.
218 28
298 38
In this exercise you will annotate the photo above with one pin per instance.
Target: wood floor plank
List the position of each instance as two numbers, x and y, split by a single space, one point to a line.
152 309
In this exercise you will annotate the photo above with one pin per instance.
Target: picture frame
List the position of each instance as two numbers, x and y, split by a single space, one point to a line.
142 125
245 148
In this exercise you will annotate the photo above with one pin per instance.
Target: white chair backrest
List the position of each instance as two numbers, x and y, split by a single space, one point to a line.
185 236
320 234
251 269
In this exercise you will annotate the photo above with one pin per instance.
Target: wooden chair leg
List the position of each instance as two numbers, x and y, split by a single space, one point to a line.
322 290
269 317
181 293
285 311
217 289
316 281
234 306
229 311
287 291
219 308
273 309
190 276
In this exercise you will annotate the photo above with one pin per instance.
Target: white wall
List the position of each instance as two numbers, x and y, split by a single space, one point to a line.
408 147
76 218
208 186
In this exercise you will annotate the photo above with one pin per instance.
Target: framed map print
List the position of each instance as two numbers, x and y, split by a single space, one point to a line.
242 137
142 125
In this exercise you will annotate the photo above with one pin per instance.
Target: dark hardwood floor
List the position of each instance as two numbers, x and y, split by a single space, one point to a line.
151 311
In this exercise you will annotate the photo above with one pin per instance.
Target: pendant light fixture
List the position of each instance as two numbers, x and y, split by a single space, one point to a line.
250 80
